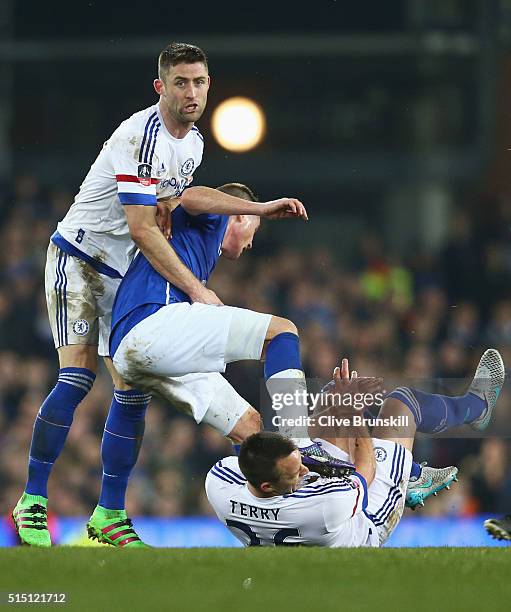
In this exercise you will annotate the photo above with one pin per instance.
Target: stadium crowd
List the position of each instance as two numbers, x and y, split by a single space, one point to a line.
410 319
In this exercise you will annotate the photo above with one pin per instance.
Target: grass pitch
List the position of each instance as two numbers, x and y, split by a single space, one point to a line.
262 579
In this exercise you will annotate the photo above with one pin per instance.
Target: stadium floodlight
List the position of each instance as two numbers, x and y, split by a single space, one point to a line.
238 124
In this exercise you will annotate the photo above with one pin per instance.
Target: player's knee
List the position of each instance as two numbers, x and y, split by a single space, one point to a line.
78 356
119 382
118 374
401 401
279 325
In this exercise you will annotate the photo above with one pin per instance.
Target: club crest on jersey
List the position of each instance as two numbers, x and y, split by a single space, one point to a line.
81 327
380 454
144 174
187 167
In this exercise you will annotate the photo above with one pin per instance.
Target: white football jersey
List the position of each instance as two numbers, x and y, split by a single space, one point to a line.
140 163
326 512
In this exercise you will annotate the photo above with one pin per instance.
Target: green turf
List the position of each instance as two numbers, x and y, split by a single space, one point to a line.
264 579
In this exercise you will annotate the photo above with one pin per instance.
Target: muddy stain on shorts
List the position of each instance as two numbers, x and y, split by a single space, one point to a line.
136 374
137 363
92 277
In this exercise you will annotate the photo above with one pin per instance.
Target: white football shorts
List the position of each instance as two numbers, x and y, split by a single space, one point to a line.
79 301
188 338
387 493
207 397
179 352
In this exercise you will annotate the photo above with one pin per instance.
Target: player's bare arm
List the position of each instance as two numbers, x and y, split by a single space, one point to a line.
201 200
150 240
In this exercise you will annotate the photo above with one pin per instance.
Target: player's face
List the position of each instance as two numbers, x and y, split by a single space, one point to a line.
239 235
291 471
184 91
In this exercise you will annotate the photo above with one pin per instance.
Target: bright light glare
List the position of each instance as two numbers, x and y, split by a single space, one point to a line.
238 124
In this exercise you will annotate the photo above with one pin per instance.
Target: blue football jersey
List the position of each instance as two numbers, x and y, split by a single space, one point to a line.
197 241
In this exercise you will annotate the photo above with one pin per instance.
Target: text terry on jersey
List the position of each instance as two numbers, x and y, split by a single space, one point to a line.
254 511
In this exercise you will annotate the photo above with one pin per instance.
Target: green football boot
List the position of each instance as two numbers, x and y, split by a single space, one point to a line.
30 520
113 527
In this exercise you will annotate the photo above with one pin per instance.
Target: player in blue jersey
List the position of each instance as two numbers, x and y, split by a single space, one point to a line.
165 344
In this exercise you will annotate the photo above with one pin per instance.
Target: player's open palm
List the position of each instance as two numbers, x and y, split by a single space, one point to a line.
285 208
346 383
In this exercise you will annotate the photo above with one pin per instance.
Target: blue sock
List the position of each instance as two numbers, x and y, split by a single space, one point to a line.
236 449
415 470
52 425
122 438
282 353
435 413
284 375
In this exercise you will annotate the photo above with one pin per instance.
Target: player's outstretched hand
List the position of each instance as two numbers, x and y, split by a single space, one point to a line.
284 208
206 296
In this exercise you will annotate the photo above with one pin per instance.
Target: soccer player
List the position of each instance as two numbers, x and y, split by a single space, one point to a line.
165 344
150 158
266 499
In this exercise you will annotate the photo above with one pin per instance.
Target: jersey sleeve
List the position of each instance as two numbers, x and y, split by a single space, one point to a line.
136 182
342 504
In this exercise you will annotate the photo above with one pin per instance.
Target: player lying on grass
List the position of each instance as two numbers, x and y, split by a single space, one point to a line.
267 498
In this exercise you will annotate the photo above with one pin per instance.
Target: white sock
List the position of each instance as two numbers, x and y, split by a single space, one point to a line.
292 383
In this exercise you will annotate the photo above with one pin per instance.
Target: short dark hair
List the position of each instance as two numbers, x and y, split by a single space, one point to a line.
179 53
259 454
239 190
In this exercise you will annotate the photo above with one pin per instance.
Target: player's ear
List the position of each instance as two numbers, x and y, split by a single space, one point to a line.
266 487
158 86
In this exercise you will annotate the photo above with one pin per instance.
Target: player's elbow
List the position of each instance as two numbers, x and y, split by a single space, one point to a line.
137 234
140 234
192 201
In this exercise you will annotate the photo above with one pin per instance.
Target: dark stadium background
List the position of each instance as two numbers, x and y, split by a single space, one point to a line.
389 120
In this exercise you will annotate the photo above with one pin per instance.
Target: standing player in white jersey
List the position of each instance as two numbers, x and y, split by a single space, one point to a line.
149 158
262 496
